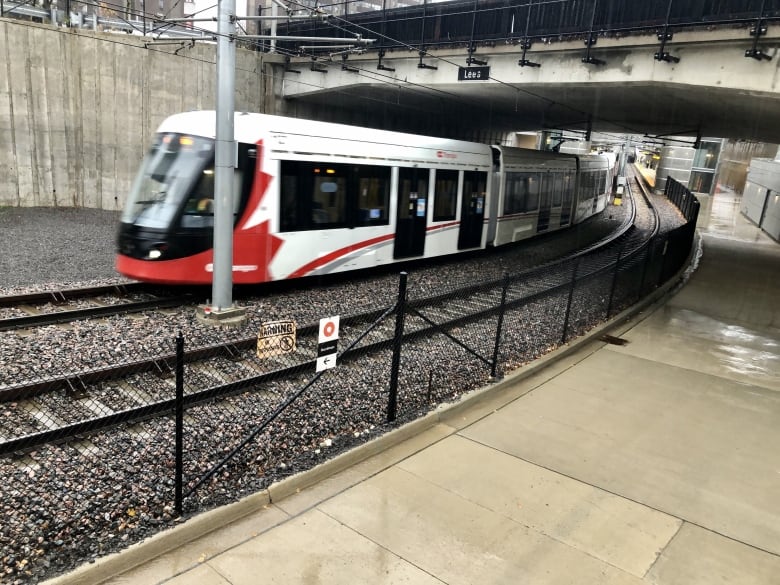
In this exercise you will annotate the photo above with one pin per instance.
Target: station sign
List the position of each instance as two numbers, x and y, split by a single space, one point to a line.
327 343
474 73
276 338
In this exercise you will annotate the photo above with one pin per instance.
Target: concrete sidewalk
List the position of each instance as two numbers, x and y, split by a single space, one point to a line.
653 462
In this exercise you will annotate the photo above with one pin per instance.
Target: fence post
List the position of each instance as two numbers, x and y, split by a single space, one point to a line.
179 421
400 309
571 297
614 281
499 326
648 257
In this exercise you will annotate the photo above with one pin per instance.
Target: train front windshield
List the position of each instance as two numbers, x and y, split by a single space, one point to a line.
177 174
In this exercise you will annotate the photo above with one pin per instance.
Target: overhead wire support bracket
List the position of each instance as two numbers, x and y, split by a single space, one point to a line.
591 40
380 66
287 68
664 36
526 42
472 48
523 62
588 58
422 53
345 67
757 32
422 65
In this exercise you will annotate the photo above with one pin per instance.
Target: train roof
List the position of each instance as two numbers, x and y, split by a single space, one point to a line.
525 158
297 138
251 127
292 138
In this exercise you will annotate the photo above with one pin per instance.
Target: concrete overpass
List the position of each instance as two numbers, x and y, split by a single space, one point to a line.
713 90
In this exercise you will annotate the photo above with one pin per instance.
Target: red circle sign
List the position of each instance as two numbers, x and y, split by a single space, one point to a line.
329 329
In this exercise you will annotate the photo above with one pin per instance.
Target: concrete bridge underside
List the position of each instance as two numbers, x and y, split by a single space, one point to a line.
713 90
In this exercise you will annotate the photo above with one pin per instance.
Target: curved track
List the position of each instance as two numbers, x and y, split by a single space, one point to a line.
441 313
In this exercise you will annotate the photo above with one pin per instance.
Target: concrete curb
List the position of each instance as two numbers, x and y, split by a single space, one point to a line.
200 525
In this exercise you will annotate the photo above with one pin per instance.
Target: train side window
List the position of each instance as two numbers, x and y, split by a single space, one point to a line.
557 189
372 185
312 196
514 193
315 196
534 187
445 195
329 197
591 184
568 189
568 197
585 190
521 193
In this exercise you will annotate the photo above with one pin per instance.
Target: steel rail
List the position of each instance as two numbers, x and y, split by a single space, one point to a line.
91 312
59 296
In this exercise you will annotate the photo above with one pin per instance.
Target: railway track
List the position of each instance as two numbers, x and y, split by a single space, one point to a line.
76 304
76 403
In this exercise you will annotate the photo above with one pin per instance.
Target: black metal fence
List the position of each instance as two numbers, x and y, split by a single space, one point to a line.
219 421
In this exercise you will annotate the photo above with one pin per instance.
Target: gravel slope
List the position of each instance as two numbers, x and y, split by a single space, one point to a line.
41 245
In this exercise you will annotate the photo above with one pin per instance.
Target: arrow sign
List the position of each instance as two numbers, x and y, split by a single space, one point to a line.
326 362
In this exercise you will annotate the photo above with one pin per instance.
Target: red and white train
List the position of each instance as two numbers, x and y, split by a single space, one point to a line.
315 198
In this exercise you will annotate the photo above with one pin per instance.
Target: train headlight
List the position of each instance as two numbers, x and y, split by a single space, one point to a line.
156 251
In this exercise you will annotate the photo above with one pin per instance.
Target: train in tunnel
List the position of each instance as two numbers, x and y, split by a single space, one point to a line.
312 198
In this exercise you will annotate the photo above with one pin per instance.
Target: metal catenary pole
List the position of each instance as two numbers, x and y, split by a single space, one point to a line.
225 158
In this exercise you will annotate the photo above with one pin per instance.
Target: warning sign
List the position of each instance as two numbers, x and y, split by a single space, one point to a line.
327 343
276 338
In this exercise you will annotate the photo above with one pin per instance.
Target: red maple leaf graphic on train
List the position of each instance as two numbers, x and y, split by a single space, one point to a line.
254 243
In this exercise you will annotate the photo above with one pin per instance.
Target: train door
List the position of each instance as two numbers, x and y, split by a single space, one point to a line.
472 213
412 217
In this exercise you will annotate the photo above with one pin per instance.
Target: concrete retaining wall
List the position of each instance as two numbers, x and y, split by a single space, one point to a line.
78 109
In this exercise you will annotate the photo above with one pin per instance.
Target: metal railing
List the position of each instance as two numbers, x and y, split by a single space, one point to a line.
469 24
